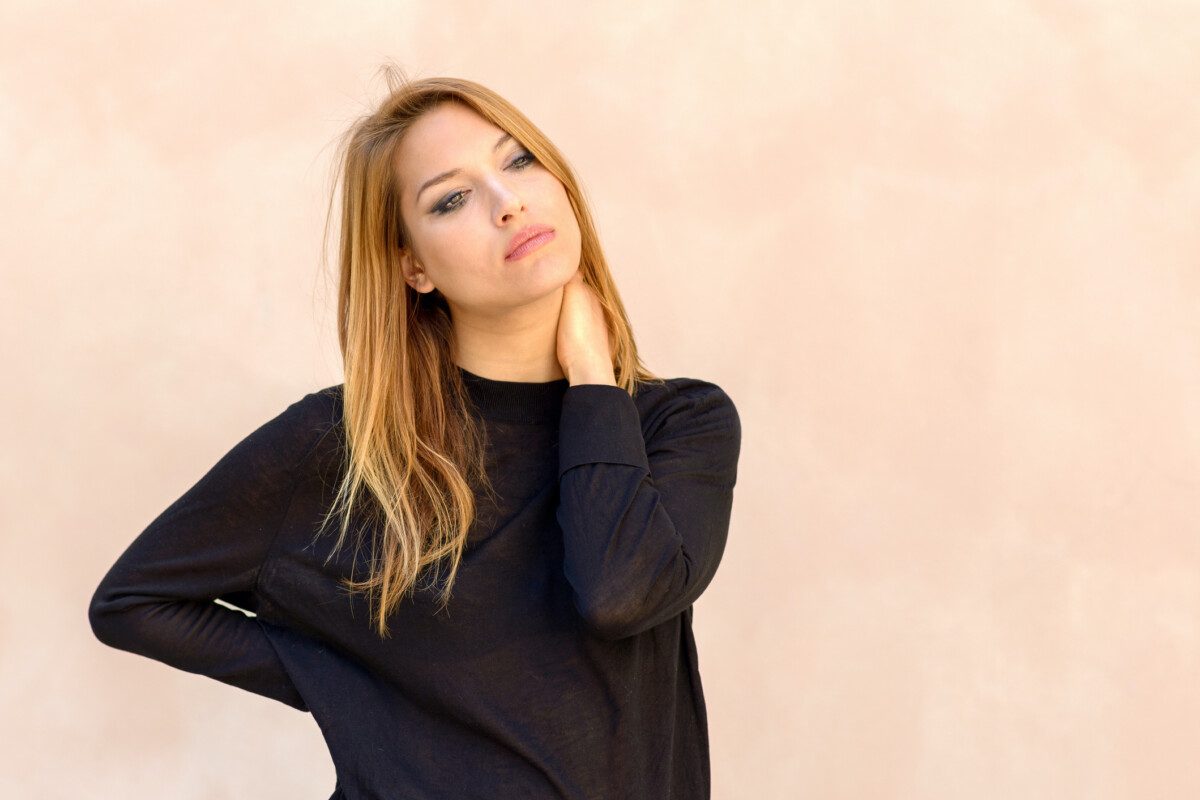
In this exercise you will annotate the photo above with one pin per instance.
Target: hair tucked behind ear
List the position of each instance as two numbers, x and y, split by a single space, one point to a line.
413 454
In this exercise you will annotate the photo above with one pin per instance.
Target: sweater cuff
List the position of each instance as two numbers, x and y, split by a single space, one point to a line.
600 423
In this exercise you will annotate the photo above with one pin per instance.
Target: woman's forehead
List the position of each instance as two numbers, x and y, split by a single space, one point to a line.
443 141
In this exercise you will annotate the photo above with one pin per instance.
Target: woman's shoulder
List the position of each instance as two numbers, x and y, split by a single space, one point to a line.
316 420
681 389
686 400
330 396
325 406
311 416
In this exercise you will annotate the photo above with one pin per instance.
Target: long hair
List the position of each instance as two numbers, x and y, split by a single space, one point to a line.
413 454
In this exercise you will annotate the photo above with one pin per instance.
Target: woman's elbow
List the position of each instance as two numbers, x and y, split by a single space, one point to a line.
104 616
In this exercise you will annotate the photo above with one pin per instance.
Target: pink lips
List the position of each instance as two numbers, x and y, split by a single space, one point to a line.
541 235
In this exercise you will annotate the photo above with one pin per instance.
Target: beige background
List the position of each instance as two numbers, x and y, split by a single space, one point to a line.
943 256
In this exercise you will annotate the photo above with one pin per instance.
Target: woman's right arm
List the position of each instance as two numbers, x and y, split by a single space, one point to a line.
157 600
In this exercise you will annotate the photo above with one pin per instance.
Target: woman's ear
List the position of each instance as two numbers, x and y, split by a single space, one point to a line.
414 275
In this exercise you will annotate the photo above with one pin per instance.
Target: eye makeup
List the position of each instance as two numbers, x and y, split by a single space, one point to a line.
452 201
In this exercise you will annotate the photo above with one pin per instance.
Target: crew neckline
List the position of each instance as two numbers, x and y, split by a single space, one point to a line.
515 401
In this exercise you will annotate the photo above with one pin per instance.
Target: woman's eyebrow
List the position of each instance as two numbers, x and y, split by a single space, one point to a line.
452 172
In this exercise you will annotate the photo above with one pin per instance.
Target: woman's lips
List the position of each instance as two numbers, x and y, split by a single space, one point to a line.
530 245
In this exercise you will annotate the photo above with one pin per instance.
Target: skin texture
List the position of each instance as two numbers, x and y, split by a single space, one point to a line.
583 347
532 319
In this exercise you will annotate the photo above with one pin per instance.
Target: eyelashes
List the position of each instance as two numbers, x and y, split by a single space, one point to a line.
454 201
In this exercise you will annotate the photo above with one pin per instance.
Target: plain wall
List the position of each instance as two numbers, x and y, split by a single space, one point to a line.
943 256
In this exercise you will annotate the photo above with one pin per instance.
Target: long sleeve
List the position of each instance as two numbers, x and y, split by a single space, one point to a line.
644 519
157 600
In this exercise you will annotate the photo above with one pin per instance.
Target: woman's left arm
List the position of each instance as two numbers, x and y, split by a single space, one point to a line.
644 520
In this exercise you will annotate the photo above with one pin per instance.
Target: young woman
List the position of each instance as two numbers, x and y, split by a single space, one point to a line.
534 513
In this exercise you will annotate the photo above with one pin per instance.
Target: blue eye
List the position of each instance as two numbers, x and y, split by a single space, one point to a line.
450 203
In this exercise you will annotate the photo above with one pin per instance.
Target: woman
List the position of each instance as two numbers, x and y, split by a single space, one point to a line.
534 513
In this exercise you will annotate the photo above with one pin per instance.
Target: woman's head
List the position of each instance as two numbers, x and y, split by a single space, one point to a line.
418 259
466 187
417 265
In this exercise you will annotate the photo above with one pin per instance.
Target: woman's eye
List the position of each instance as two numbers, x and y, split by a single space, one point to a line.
527 155
452 201
448 204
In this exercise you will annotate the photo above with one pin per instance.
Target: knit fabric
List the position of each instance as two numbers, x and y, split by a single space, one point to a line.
564 666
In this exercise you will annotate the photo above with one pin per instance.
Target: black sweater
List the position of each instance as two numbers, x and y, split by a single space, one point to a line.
564 666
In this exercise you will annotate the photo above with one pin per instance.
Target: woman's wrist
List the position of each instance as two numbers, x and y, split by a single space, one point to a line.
592 373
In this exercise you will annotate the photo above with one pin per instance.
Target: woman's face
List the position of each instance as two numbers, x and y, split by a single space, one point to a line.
461 226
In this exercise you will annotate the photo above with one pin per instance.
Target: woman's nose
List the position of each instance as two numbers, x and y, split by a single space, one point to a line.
508 202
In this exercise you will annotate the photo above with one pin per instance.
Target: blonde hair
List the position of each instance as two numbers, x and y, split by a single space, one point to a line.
413 454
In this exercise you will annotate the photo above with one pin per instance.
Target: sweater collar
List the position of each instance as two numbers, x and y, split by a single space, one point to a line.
515 401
